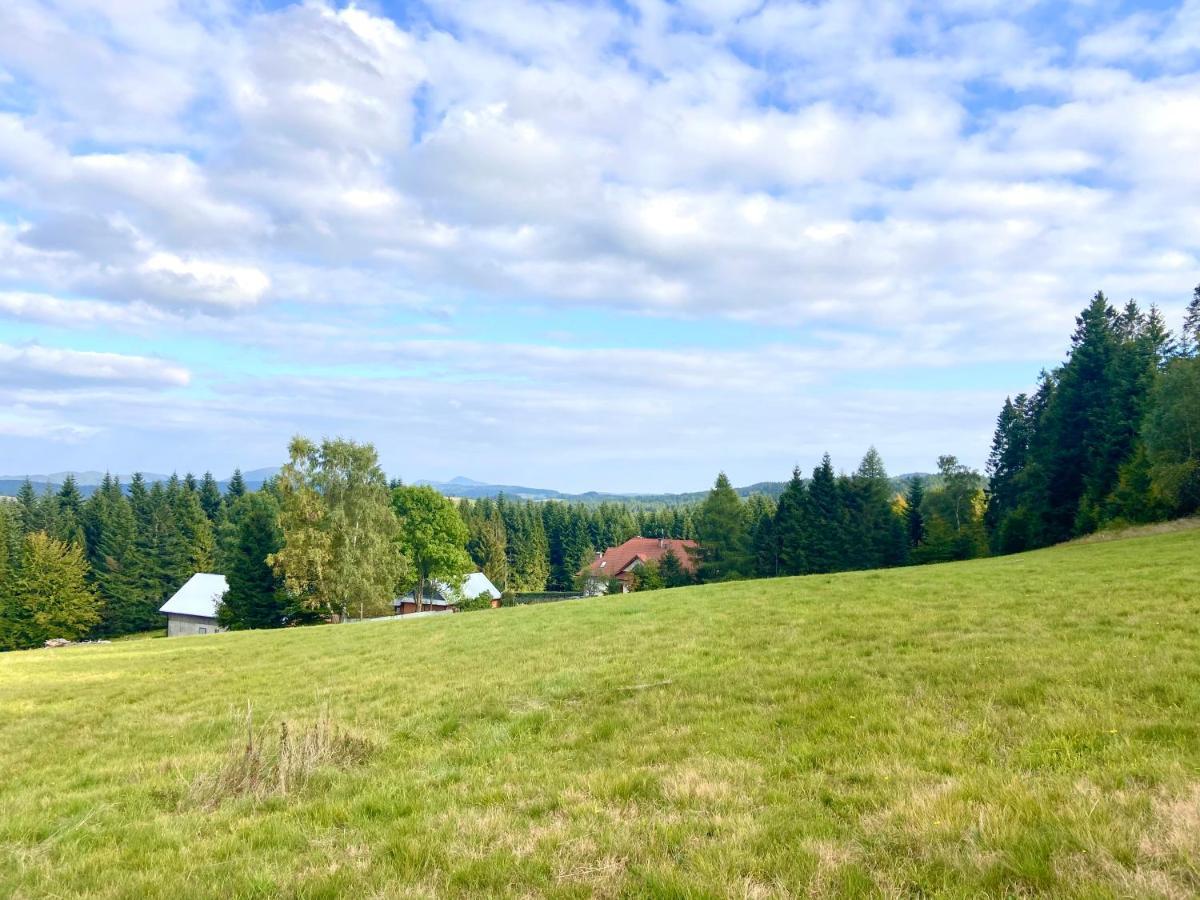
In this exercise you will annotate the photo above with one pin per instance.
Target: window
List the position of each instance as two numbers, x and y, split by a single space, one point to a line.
201 630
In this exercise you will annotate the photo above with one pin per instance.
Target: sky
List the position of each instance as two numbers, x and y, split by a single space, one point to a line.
611 246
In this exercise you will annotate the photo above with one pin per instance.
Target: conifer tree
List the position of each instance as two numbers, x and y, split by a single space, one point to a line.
826 538
672 570
1190 346
256 596
210 497
109 529
237 485
1006 463
28 509
764 546
914 519
722 534
791 526
68 526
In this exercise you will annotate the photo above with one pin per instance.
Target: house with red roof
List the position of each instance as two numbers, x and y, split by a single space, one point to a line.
620 563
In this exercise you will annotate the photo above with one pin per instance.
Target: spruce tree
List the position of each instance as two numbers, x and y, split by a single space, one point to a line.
1190 345
791 526
256 597
722 533
914 520
672 570
237 485
68 526
109 526
210 497
764 545
1006 464
826 539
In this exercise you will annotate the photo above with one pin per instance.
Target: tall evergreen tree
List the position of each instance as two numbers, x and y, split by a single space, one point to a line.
721 529
210 497
256 596
914 520
237 485
1190 344
68 526
826 540
791 526
764 544
109 527
1006 464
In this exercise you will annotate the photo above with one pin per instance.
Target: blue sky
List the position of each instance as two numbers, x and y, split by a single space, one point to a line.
579 245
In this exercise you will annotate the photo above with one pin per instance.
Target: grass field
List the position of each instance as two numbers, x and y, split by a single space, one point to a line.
1021 725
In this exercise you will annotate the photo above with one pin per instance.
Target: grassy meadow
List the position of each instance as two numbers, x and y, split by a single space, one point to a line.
1015 726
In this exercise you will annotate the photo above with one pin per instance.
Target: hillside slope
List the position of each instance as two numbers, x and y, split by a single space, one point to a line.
1023 724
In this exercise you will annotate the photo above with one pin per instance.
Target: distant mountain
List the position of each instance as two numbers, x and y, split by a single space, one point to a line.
470 489
459 486
87 482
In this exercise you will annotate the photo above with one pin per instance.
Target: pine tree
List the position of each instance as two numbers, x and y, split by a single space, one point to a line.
109 527
210 497
1006 464
764 546
826 539
721 529
672 570
256 596
1075 440
237 485
791 526
914 520
68 526
1190 345
877 534
28 506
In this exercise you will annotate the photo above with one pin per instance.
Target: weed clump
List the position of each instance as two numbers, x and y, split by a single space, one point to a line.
278 763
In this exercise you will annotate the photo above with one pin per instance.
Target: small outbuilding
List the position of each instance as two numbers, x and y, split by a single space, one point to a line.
193 608
441 597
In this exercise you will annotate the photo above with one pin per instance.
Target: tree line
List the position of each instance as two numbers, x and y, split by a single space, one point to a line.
1110 436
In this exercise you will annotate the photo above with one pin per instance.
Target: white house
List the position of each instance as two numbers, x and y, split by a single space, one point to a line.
193 608
441 597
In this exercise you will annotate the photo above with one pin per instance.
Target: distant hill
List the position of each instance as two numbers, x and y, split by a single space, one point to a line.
459 486
470 489
87 482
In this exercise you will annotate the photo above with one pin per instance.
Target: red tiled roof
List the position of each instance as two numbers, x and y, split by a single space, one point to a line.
617 559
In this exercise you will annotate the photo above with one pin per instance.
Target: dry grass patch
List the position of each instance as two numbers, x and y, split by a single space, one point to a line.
275 764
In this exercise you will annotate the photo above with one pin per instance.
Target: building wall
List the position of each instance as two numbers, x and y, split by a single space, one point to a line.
407 607
183 626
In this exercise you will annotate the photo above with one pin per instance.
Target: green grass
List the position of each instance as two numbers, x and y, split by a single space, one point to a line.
1013 726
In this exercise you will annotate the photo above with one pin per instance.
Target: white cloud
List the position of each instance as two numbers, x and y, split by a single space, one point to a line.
934 181
33 364
51 310
171 280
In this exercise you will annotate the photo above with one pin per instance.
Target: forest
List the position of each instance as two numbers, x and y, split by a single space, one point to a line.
1111 436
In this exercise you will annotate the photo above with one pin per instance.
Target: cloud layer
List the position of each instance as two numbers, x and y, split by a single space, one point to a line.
679 236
